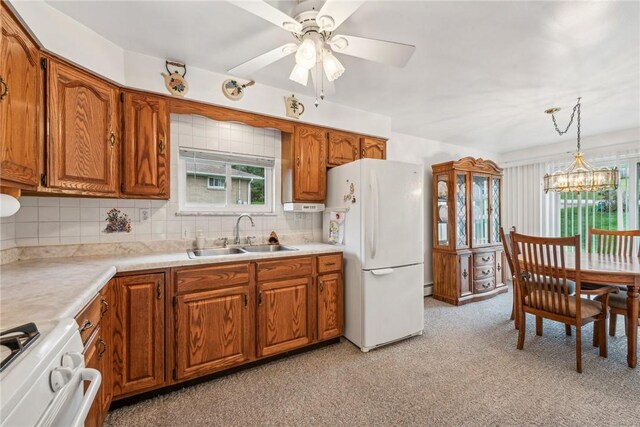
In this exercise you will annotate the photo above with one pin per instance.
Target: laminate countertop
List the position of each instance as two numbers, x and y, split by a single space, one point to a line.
52 288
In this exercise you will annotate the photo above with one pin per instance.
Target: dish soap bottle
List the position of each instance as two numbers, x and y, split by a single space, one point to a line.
200 240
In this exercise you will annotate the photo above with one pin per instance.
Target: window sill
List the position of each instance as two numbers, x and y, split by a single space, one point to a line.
191 213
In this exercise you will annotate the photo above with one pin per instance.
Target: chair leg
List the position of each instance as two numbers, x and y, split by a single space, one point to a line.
567 330
596 332
516 308
613 323
579 349
626 326
521 330
602 335
539 326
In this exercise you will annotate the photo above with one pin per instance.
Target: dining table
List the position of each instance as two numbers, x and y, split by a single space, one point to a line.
618 270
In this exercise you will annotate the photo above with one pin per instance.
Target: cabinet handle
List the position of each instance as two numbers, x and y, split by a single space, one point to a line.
158 291
88 324
498 267
161 145
321 286
362 153
464 274
104 347
260 298
105 307
5 89
112 139
297 161
355 152
246 300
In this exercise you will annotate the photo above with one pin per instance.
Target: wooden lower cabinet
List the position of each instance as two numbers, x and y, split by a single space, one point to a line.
330 306
213 330
138 333
284 320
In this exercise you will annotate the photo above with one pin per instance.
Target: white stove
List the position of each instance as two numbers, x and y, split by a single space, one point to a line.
43 384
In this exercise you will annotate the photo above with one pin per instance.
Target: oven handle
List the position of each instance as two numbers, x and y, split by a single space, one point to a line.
78 377
94 377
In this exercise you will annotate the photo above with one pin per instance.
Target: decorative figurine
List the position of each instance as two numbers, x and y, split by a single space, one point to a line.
234 90
174 81
294 107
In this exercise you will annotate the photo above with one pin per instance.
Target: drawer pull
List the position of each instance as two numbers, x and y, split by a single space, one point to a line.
88 324
487 285
105 307
486 272
486 258
329 264
103 346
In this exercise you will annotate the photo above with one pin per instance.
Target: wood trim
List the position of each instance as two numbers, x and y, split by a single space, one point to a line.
284 268
210 277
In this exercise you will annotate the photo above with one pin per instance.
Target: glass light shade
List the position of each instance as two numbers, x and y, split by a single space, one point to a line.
332 67
306 54
581 176
300 75
9 205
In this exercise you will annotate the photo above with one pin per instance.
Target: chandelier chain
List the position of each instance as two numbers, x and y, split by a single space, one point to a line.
573 113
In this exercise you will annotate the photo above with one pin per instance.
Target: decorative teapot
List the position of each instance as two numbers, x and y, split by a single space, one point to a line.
174 81
294 107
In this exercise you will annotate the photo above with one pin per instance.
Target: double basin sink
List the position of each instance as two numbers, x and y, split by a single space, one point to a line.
205 253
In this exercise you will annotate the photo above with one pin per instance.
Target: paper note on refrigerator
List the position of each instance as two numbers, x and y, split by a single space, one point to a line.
336 228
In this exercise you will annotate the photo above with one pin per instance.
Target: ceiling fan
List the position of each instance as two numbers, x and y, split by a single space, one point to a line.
312 24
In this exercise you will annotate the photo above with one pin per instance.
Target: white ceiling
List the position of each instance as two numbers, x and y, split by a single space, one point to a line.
482 73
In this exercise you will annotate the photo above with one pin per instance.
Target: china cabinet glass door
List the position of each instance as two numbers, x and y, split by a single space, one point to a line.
495 210
480 210
442 211
462 239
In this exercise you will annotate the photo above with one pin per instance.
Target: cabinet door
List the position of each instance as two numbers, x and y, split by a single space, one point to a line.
146 146
20 104
84 134
373 148
343 148
283 315
213 330
480 208
138 333
495 210
310 173
330 306
464 274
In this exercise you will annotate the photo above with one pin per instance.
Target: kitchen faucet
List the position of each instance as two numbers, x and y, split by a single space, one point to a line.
244 215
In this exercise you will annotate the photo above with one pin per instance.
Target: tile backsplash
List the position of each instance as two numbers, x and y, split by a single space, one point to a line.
72 220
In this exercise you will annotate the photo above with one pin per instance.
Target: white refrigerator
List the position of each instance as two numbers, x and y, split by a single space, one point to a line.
380 208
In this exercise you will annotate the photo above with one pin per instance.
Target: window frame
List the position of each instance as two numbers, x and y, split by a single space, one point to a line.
214 186
229 208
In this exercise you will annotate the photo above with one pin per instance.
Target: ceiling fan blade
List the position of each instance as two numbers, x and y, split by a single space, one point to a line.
255 64
335 12
390 53
320 82
269 13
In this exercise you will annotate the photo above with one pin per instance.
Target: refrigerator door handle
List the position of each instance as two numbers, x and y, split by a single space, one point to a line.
374 222
382 271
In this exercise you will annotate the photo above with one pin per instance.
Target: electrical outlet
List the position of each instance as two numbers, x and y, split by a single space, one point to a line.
145 214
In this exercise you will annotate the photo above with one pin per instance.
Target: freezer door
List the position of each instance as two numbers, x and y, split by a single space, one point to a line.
392 213
393 304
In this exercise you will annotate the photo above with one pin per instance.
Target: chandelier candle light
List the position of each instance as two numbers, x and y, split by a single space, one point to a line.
579 175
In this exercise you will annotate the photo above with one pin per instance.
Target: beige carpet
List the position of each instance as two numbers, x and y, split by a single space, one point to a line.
465 370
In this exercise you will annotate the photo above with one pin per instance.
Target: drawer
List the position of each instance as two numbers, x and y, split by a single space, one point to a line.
486 272
484 285
483 259
284 268
329 263
89 318
214 277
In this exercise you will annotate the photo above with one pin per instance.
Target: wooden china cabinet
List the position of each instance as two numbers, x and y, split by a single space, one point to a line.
468 260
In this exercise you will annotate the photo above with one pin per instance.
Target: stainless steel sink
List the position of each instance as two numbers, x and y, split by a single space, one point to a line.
267 248
195 254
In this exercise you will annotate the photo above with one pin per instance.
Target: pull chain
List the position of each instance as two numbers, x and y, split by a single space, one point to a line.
562 132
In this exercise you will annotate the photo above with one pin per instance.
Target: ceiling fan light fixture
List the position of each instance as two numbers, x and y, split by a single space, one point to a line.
332 67
299 74
306 54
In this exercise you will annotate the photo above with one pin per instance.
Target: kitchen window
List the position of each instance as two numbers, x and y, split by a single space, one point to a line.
212 182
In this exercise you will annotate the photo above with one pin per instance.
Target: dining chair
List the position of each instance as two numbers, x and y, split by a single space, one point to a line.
621 243
544 292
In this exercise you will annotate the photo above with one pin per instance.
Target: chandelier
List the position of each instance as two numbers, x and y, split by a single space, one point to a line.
579 175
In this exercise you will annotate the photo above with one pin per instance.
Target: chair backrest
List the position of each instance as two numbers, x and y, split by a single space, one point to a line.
542 274
508 250
613 242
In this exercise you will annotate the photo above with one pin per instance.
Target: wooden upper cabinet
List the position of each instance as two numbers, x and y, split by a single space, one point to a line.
214 330
330 306
145 160
373 148
20 104
84 135
138 333
309 170
284 321
343 148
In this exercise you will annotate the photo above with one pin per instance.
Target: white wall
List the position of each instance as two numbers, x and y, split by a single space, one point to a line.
407 148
